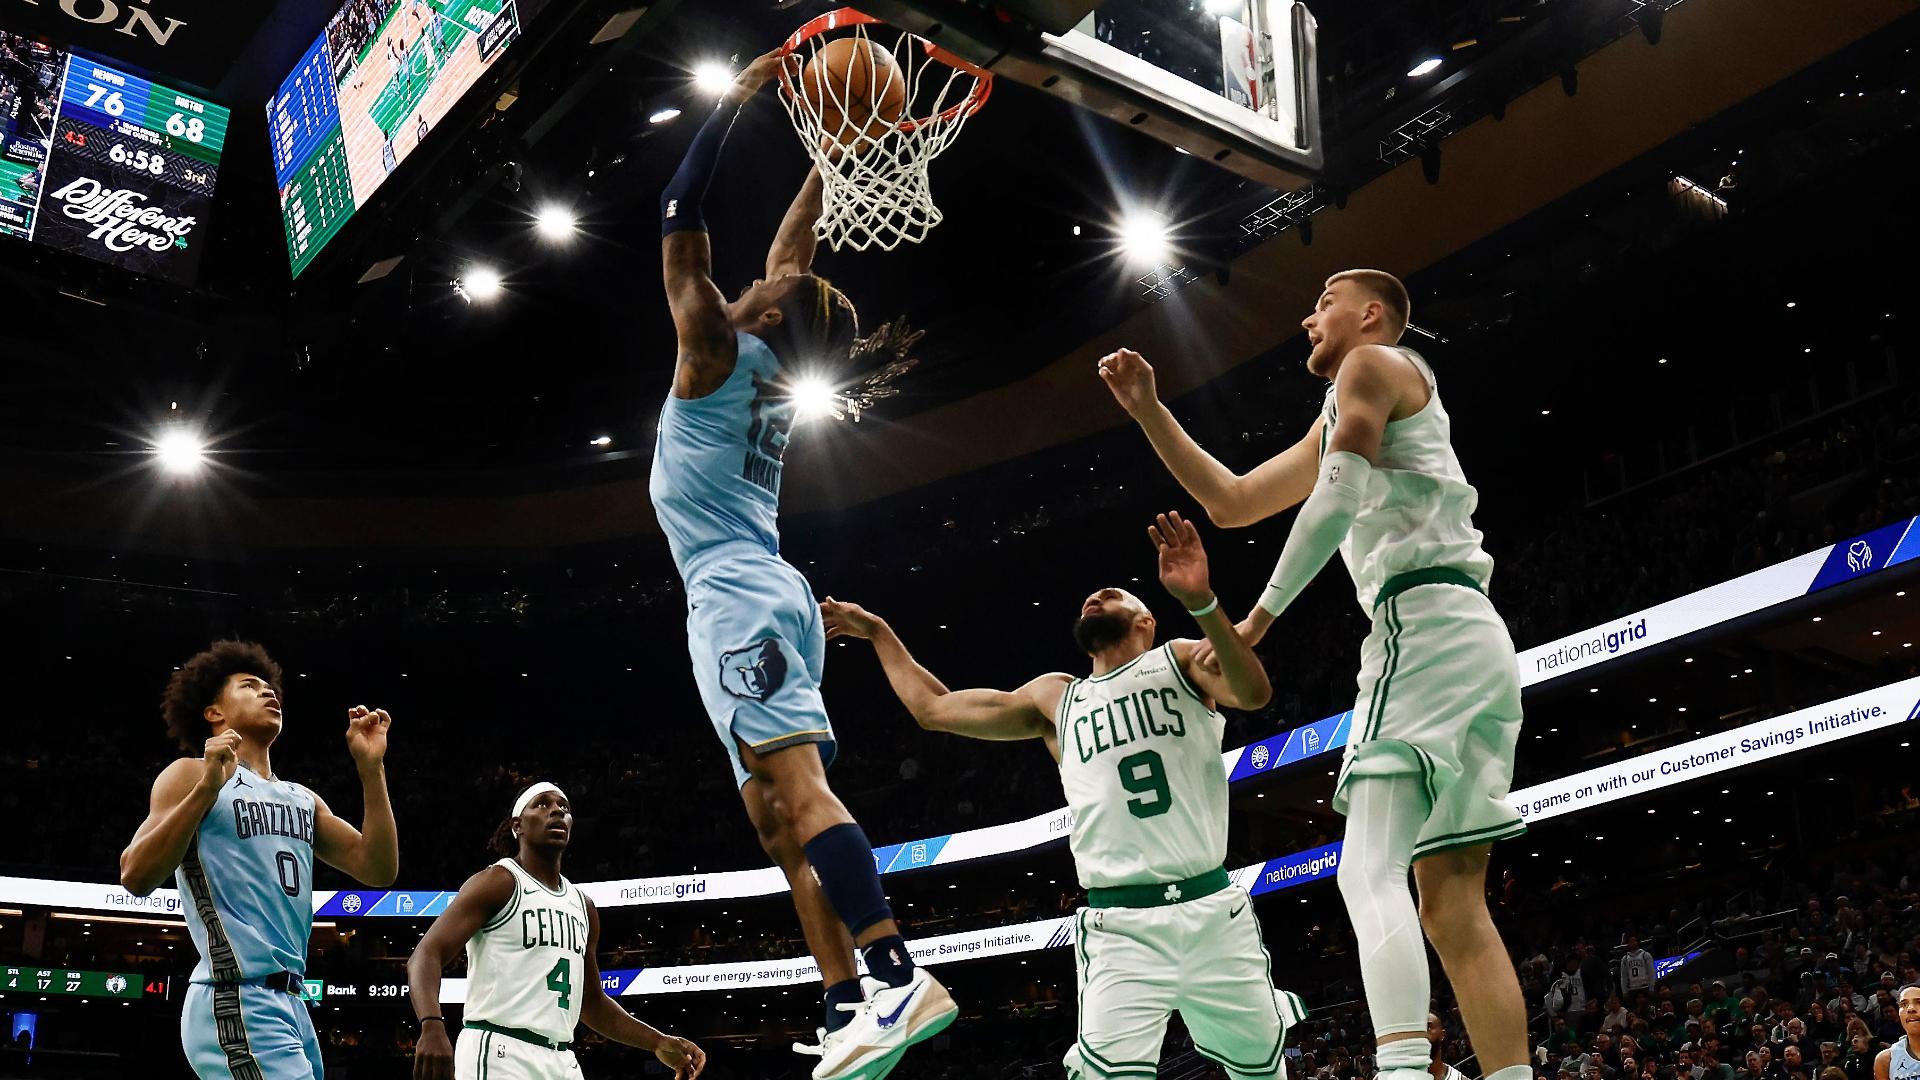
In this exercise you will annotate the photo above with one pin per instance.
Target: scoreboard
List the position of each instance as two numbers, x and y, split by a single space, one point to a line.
366 94
67 982
114 167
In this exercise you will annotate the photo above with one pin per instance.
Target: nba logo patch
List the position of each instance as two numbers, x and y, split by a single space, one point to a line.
500 1051
754 672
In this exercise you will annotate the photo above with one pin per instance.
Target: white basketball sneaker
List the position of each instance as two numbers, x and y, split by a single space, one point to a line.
890 1020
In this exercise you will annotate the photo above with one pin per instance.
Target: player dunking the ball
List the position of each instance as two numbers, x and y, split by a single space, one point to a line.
533 970
753 626
1138 745
240 843
1430 757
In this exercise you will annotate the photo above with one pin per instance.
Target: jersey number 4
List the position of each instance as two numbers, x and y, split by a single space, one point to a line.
1144 774
560 981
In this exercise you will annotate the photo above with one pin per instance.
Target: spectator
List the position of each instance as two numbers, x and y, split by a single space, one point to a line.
1567 997
1636 968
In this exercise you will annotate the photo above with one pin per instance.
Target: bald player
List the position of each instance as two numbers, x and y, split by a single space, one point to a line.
1138 745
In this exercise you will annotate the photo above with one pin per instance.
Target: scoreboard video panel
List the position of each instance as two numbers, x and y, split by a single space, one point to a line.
103 163
366 94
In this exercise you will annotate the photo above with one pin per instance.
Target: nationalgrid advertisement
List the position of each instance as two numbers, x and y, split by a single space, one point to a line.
1751 744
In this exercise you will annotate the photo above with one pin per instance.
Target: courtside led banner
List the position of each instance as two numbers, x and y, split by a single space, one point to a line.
1848 560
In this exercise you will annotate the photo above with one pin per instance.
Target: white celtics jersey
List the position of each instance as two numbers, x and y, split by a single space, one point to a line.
1417 511
526 968
1140 762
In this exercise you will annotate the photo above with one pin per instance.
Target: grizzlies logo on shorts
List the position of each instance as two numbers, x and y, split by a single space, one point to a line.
759 651
755 671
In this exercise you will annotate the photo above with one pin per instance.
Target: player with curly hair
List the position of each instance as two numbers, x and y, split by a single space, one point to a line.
240 842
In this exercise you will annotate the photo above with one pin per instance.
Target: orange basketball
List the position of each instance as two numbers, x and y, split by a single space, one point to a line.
856 89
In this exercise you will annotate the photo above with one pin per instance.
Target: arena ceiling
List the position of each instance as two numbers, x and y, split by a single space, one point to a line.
395 414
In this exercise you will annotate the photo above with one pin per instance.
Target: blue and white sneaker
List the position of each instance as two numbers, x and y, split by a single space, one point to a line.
890 1020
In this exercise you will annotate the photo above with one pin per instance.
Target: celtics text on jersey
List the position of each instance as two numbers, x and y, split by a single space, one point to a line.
526 967
1140 762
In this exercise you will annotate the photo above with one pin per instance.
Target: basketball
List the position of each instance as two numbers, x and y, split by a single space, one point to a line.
856 88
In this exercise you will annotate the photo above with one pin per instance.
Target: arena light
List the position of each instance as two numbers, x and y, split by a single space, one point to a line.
1225 7
602 441
480 283
555 222
1144 238
180 451
814 398
663 115
712 77
1424 67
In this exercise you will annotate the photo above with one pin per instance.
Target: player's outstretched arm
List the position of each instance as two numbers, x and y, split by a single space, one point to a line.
1231 499
978 714
794 245
1366 395
480 899
1234 677
707 348
182 794
371 853
604 1015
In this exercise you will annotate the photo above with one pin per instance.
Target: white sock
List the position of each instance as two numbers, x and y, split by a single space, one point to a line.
1384 817
1404 1054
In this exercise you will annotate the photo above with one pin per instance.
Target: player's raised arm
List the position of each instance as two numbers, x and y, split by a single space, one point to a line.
480 899
371 853
707 347
794 245
1235 677
1025 713
1231 499
604 1015
1365 396
182 795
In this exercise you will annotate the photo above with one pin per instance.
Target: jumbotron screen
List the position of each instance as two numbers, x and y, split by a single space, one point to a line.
366 94
103 163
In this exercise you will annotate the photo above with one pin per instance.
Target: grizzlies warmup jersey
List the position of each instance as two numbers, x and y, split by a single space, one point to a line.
247 880
1140 762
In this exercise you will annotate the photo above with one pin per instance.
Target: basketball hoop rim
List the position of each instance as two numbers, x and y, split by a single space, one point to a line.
841 18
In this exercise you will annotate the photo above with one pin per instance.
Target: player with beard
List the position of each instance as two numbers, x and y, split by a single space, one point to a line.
533 970
240 843
1138 745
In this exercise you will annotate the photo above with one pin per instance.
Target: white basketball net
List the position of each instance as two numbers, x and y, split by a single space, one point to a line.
875 190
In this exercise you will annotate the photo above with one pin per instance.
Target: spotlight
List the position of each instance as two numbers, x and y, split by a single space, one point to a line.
481 283
1425 67
1225 7
180 451
602 441
1143 236
712 77
663 115
555 222
814 397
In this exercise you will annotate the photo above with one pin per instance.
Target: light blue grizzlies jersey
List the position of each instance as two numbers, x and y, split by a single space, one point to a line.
1903 1065
247 880
716 460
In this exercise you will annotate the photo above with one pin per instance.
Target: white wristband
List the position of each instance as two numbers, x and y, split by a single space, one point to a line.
1208 610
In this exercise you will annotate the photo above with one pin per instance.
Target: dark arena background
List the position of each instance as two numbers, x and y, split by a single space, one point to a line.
374 376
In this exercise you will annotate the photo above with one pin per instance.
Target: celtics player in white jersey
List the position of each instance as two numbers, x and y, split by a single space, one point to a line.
1901 1061
1138 744
1430 757
533 973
